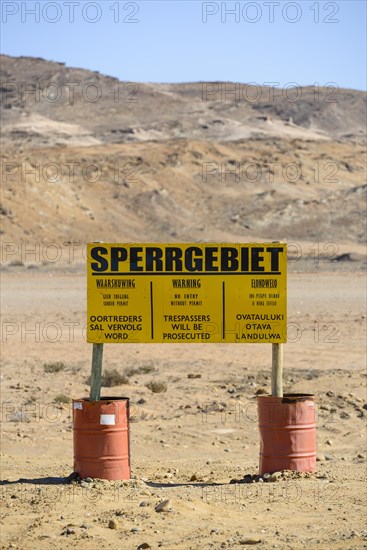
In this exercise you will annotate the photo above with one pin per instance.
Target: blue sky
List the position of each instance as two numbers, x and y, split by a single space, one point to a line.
303 42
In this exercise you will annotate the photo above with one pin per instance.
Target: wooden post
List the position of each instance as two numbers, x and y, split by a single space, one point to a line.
277 370
96 375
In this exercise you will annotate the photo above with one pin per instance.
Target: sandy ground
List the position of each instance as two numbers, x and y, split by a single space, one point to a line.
186 443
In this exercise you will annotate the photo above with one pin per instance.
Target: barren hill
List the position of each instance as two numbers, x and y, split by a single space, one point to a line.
40 97
87 157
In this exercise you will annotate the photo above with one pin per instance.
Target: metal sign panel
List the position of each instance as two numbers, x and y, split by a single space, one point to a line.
187 293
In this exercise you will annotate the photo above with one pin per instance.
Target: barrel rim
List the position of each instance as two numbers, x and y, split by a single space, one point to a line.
104 398
289 397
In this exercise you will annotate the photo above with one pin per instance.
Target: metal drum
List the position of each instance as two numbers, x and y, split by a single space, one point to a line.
287 433
102 438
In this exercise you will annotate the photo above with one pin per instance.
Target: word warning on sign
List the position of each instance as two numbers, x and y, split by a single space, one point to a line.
187 293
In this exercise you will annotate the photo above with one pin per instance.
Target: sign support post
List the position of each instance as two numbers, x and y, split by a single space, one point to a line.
277 370
96 375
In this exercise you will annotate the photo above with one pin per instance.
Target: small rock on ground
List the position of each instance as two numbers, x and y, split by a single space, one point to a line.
163 506
112 524
275 476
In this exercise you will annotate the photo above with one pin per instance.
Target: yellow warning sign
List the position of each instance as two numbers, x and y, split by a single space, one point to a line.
187 293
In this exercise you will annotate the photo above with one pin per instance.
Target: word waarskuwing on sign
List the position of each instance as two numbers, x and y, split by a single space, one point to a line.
187 293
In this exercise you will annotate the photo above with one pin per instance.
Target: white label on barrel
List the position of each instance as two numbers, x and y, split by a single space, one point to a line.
107 419
78 405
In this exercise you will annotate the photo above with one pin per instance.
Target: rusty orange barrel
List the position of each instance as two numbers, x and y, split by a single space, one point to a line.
102 438
287 433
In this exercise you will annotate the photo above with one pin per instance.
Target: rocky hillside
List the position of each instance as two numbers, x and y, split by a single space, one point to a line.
87 157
